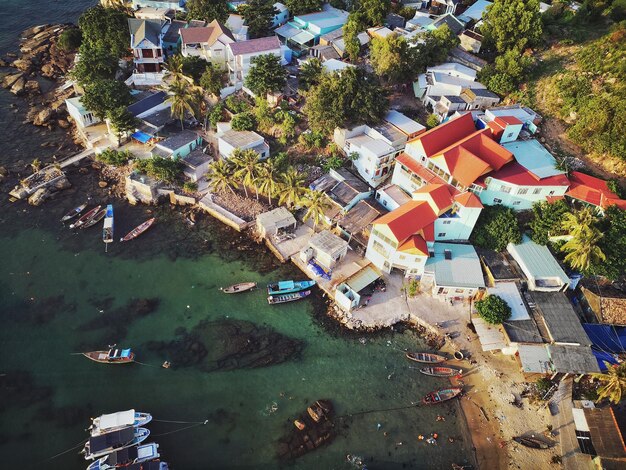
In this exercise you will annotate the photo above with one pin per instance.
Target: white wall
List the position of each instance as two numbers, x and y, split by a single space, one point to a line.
515 200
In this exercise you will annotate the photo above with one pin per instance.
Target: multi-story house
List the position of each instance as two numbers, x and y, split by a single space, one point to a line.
146 41
178 5
208 42
240 55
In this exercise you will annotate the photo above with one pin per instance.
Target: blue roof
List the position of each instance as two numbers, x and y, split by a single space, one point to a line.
534 157
461 270
141 137
147 104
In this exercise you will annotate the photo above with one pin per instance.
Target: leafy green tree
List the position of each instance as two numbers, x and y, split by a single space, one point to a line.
266 75
246 164
159 168
114 157
312 140
258 15
194 67
375 11
310 73
392 58
288 124
508 70
613 244
220 176
94 64
493 309
243 122
302 7
122 121
349 97
291 187
263 114
103 96
207 10
281 161
216 114
70 39
355 24
432 121
433 48
613 382
237 104
332 162
496 227
211 80
183 99
106 29
512 24
407 12
547 219
316 204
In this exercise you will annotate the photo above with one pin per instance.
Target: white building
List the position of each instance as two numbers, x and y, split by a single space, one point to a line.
228 140
81 116
209 43
240 55
146 42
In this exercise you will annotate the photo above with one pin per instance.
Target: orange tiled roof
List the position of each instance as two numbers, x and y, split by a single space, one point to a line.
444 135
408 219
593 191
440 195
468 199
415 244
515 173
507 120
423 172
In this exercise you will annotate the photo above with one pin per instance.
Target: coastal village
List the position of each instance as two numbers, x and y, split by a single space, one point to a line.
426 197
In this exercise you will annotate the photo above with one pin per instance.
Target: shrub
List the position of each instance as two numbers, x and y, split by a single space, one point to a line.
70 39
547 220
413 288
236 104
190 186
432 121
333 162
496 227
162 169
543 385
243 122
312 140
281 160
493 309
114 157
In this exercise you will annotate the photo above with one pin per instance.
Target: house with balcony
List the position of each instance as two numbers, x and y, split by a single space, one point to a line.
240 55
178 5
208 42
146 42
442 7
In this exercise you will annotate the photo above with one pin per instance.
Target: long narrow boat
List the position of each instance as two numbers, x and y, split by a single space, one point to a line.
115 421
134 233
127 456
112 356
241 287
104 444
533 442
288 287
107 228
426 358
152 465
73 213
439 396
95 219
441 371
281 299
86 217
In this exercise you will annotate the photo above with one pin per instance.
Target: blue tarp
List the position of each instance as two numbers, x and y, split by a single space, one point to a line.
319 271
607 338
125 352
141 137
603 357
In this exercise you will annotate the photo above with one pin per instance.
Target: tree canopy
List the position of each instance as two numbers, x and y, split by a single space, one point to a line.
354 25
310 73
94 64
512 24
301 7
211 80
105 29
613 244
392 58
493 309
375 11
103 96
342 98
266 75
258 15
243 122
162 169
70 39
546 221
496 227
207 10
122 120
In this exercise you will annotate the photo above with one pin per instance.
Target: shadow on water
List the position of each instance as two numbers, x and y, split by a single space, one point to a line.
39 311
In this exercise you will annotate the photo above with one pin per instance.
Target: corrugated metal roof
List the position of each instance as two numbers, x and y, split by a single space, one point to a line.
508 292
535 358
363 278
463 270
573 359
560 318
490 336
536 261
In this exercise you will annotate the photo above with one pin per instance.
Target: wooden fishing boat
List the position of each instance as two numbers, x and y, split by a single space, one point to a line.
107 228
85 218
134 233
320 409
288 287
111 356
310 431
116 421
533 442
439 371
439 396
73 213
426 358
99 446
95 219
126 457
281 299
241 287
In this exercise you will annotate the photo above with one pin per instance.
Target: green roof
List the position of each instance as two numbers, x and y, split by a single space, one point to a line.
536 260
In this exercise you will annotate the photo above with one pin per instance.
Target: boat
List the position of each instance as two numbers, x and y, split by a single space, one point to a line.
112 356
312 429
152 465
99 446
319 410
441 371
241 287
426 358
125 457
95 219
439 396
121 419
281 299
533 442
107 228
80 222
134 233
73 213
288 287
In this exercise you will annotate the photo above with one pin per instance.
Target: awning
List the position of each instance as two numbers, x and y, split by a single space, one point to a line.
302 37
141 137
113 420
363 278
287 31
490 336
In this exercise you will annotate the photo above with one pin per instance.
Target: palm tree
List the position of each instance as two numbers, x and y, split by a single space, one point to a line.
36 165
220 176
267 183
246 164
183 98
579 221
316 203
175 66
582 249
291 187
613 382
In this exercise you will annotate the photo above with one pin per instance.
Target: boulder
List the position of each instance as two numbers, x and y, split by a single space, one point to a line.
23 65
18 86
11 78
63 124
103 184
43 117
39 196
47 70
62 184
32 86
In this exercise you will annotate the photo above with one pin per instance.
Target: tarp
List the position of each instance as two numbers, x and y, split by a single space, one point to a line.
125 352
141 137
606 338
603 357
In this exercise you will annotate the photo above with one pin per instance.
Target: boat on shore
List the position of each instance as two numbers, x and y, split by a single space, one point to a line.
426 358
533 442
111 356
115 421
134 233
238 288
281 299
288 287
86 217
439 396
107 228
125 457
441 371
95 219
73 213
104 444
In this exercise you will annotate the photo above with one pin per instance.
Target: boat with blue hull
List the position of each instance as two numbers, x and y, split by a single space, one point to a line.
116 421
288 287
125 457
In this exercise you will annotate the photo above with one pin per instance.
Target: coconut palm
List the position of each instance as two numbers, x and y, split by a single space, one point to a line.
291 187
579 221
582 249
247 165
174 66
613 382
316 203
267 179
183 98
220 176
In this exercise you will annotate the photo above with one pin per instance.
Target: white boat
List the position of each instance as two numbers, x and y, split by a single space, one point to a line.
125 457
99 446
116 421
107 228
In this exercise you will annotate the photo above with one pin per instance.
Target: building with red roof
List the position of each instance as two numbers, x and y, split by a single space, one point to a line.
592 191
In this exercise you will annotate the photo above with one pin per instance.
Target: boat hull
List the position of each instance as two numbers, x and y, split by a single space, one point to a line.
425 358
94 220
440 396
533 443
140 435
281 299
86 218
288 287
73 213
238 288
134 233
441 371
103 357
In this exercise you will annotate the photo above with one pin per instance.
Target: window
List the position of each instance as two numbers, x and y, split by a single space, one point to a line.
442 234
517 203
431 254
505 189
497 200
384 238
509 135
377 195
447 254
522 191
447 222
551 193
537 191
379 248
384 203
459 291
401 257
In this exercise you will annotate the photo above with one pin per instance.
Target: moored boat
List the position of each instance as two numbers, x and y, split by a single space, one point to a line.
319 410
99 446
441 371
439 396
152 465
73 213
114 421
95 219
241 287
281 299
288 287
107 228
127 456
533 442
86 217
426 358
111 356
134 233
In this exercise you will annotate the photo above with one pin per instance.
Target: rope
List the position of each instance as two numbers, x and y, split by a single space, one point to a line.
144 364
81 443
416 405
178 422
181 429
